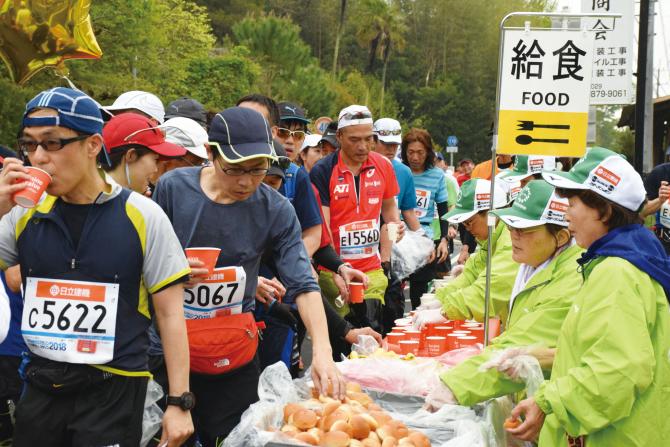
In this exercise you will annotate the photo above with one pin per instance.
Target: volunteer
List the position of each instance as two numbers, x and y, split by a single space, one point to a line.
431 197
527 168
545 286
463 298
357 187
225 205
91 253
611 373
135 145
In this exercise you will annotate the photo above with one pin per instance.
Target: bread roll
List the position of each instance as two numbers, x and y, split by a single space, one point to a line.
335 439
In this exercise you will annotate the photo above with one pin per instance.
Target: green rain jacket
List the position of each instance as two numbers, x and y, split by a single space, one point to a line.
463 298
536 318
610 380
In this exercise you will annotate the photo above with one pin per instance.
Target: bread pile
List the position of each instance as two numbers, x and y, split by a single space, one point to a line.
354 422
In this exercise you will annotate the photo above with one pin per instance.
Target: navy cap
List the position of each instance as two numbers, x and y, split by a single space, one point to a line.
275 169
241 134
187 108
76 111
329 135
289 111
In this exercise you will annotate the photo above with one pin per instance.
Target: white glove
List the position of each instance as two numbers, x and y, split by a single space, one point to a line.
421 319
434 304
507 362
438 396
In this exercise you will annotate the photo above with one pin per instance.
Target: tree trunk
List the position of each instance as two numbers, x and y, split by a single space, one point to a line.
338 36
387 54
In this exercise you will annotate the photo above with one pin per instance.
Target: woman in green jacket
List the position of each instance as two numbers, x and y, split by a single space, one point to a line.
610 381
463 298
545 286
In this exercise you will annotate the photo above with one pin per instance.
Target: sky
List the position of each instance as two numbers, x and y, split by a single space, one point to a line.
661 40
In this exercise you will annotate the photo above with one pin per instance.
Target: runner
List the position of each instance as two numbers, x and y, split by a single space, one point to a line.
657 185
329 143
225 205
187 108
108 250
431 193
137 101
463 298
292 128
611 373
310 152
545 286
134 145
357 187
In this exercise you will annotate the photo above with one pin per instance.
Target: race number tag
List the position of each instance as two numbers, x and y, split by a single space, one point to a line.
220 294
664 215
359 240
70 321
422 202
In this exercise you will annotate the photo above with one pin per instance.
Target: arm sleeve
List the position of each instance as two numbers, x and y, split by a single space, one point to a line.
653 182
289 255
9 255
463 303
617 364
337 326
441 194
320 177
442 209
305 203
164 259
327 257
467 238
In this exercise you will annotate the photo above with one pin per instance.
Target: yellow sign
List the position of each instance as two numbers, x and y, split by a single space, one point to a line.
561 134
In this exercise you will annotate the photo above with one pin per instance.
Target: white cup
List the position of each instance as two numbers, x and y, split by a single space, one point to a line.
392 228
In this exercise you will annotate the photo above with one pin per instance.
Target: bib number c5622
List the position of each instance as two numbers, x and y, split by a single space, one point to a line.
70 321
221 293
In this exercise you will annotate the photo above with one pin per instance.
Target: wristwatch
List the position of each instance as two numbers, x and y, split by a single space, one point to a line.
186 401
344 264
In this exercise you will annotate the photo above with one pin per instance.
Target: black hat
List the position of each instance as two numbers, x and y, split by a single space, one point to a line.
241 134
289 111
329 135
275 168
187 108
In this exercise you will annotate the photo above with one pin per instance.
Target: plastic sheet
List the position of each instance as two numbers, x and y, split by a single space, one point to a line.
411 253
153 415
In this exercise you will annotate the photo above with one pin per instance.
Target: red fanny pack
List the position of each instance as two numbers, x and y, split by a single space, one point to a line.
221 344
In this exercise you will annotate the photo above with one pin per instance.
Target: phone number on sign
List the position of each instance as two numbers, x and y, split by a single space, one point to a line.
609 93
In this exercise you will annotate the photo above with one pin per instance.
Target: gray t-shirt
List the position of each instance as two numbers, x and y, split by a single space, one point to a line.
242 230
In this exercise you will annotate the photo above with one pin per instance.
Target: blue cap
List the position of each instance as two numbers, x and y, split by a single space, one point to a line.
76 111
241 134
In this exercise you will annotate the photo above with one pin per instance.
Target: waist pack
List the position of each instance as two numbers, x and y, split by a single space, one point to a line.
221 344
59 378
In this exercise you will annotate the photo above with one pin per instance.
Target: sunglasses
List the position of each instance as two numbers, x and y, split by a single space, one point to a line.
356 116
50 145
387 133
284 133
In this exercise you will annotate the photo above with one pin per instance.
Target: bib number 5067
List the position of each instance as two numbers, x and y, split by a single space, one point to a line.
204 296
70 315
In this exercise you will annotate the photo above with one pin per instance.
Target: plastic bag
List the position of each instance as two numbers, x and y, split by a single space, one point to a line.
411 253
153 415
525 367
366 345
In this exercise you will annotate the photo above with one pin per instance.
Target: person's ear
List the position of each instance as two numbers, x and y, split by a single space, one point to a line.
130 156
273 129
94 145
563 237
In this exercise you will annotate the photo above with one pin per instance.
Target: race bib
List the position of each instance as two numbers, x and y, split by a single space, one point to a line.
220 294
359 240
70 321
422 202
664 215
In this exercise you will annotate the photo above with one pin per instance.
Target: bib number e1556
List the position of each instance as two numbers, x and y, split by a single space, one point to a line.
359 240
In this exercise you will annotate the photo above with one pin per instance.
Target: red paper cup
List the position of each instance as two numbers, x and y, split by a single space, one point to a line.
404 322
458 324
430 327
452 342
356 292
436 345
468 340
409 347
470 326
479 333
206 255
411 334
395 337
35 187
461 332
442 331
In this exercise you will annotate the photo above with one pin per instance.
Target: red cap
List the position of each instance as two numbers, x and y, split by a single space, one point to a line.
132 129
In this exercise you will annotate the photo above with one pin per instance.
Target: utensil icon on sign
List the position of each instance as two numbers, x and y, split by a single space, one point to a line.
527 139
530 125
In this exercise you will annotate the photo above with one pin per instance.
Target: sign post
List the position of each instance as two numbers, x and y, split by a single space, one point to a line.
452 148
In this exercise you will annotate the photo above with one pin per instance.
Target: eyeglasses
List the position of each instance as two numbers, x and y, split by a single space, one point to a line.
50 145
386 133
238 172
282 163
522 231
356 116
283 132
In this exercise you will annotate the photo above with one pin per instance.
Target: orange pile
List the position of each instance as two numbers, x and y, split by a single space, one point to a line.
354 422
